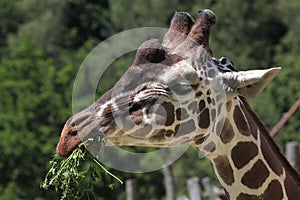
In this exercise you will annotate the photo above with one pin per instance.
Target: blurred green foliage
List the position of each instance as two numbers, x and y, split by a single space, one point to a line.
43 43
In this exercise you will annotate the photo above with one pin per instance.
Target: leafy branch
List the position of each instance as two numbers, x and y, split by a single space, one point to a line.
70 178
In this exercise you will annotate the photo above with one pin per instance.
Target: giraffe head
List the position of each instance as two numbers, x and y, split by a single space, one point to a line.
170 95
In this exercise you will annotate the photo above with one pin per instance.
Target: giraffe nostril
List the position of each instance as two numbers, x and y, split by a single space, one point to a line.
73 133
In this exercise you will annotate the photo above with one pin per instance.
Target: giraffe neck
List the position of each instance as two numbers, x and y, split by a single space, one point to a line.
247 162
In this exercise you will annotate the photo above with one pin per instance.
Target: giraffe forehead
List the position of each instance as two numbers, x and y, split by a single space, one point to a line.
181 71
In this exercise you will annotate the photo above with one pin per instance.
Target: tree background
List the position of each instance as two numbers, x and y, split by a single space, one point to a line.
43 43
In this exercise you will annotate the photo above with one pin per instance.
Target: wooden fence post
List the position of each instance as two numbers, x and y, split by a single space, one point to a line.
193 187
182 198
169 182
132 189
293 155
208 188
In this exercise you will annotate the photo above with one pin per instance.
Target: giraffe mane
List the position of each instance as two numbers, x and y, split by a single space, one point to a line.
270 142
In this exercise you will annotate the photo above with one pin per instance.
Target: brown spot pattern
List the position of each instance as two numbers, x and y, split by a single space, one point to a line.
193 107
166 112
176 129
274 191
142 132
213 114
199 94
169 133
210 147
201 105
256 176
271 158
228 106
252 124
181 114
243 153
219 127
244 196
292 189
158 135
185 128
227 133
208 100
208 92
224 169
240 121
199 139
203 119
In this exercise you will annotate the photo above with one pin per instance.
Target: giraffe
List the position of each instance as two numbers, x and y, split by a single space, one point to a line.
176 93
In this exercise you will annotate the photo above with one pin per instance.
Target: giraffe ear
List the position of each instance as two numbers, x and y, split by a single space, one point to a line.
249 83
